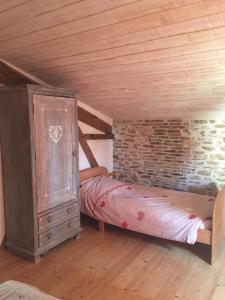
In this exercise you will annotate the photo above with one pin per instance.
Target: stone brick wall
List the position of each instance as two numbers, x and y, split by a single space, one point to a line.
182 155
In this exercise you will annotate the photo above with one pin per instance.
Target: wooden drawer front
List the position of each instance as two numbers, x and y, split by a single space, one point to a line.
59 233
58 216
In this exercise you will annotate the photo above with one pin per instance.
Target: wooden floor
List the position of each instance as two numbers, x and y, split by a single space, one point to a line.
121 265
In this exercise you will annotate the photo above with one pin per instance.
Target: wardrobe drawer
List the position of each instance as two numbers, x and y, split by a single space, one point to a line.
58 216
59 233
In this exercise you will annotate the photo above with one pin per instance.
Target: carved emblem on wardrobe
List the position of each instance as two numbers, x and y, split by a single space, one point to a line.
55 133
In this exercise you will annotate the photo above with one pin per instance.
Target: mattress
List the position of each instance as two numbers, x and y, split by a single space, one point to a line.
164 213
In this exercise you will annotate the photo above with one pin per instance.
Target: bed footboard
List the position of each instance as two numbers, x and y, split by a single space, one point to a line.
218 226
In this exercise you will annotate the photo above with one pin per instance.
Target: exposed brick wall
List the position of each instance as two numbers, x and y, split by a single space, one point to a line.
182 155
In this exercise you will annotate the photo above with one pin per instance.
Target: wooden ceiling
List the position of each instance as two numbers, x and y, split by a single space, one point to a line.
130 59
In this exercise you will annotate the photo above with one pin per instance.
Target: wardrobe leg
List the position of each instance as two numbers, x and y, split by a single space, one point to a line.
37 259
77 237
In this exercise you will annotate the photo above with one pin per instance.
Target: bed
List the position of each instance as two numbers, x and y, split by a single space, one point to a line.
174 215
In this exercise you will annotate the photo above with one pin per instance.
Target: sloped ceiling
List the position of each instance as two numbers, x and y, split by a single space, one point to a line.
130 59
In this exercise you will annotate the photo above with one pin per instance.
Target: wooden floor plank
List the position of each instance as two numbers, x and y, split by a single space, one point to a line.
121 265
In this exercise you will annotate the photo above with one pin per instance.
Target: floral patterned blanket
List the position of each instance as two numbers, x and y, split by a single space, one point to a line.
154 211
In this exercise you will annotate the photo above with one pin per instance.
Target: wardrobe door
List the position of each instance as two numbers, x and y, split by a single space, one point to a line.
55 150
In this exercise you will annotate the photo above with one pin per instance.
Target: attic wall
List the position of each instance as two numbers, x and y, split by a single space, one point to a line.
182 155
102 149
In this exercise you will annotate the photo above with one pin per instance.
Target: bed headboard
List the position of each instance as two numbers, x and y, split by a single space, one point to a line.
92 172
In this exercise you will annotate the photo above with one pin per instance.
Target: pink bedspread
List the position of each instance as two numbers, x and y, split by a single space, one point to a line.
154 211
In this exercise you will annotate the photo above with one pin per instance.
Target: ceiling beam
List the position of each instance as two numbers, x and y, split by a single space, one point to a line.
107 136
12 75
93 121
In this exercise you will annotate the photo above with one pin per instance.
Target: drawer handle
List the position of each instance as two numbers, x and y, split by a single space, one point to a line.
70 225
69 210
50 219
49 235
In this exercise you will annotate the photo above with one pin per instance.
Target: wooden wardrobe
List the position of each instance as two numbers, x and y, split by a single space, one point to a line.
39 150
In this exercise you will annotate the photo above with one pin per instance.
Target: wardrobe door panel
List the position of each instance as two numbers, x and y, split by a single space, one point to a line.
55 148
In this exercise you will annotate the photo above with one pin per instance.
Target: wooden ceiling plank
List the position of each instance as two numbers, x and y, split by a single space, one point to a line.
84 9
86 44
147 81
164 99
184 67
189 13
127 52
76 42
185 63
137 61
9 5
150 56
26 10
76 12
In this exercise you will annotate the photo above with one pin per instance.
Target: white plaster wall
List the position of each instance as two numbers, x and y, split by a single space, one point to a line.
102 149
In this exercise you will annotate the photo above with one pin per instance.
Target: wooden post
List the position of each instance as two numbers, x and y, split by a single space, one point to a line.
87 150
101 226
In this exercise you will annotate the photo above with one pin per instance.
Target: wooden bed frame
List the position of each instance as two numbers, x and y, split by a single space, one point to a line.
213 238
